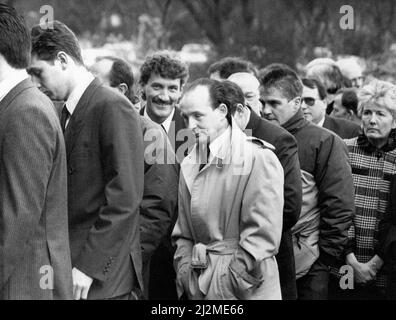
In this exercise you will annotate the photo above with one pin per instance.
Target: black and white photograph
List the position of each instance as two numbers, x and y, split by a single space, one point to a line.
193 155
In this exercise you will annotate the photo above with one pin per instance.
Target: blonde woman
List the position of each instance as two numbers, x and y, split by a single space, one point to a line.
373 162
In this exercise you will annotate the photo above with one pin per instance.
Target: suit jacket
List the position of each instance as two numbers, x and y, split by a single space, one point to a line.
287 153
343 128
162 275
104 147
34 241
158 209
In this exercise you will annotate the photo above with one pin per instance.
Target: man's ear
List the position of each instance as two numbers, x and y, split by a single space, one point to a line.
296 104
240 109
63 59
223 109
123 88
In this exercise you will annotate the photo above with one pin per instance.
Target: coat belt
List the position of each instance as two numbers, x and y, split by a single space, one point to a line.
199 253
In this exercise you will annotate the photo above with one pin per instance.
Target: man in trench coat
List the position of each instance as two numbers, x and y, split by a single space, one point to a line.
230 203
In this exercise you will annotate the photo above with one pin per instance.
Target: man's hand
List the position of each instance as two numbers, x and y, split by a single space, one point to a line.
81 284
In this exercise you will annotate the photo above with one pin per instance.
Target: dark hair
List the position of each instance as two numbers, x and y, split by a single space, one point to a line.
165 64
273 66
121 72
47 43
315 84
349 99
15 41
285 80
230 65
225 92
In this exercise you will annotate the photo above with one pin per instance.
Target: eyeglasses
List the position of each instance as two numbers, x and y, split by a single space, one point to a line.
309 101
332 90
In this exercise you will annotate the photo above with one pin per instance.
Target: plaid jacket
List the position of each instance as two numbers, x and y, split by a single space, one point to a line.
372 171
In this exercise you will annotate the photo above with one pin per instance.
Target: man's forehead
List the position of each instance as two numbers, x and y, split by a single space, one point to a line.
310 92
271 93
155 77
198 96
197 93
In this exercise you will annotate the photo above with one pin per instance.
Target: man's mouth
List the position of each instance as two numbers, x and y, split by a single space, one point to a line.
162 103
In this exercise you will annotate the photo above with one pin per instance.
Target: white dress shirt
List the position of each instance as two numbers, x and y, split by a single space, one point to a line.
166 123
75 96
12 81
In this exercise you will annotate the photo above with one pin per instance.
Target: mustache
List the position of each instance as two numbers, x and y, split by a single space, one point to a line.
160 101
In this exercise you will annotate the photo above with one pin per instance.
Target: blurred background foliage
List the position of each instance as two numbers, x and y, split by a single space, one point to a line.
263 31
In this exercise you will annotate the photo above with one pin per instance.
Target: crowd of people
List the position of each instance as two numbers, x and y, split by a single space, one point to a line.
248 184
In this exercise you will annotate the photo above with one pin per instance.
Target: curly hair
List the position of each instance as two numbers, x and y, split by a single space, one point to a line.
166 64
380 93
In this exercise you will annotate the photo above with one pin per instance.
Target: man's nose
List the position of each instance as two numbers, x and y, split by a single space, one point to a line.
191 123
164 95
266 109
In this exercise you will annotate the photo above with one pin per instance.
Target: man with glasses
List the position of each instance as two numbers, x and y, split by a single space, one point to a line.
314 108
321 233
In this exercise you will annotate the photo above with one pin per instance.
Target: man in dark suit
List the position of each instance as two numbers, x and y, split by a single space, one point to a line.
344 128
34 241
286 151
104 147
162 77
161 172
314 107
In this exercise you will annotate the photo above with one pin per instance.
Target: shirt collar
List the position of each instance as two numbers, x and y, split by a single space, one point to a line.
75 96
219 146
166 123
11 81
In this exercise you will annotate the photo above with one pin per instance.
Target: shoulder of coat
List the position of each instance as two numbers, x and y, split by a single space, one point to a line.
261 143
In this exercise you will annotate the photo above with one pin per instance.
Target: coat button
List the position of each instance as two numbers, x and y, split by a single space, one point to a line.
70 170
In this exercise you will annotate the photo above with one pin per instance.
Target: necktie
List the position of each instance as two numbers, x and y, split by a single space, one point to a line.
64 116
207 158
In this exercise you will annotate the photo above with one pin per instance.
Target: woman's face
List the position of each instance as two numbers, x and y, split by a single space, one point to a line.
377 124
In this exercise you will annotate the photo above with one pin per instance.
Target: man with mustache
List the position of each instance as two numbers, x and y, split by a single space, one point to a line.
162 77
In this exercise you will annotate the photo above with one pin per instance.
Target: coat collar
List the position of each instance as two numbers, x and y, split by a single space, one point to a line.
237 151
390 145
296 122
254 121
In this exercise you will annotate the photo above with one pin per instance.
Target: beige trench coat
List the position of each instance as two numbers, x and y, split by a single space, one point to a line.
230 221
